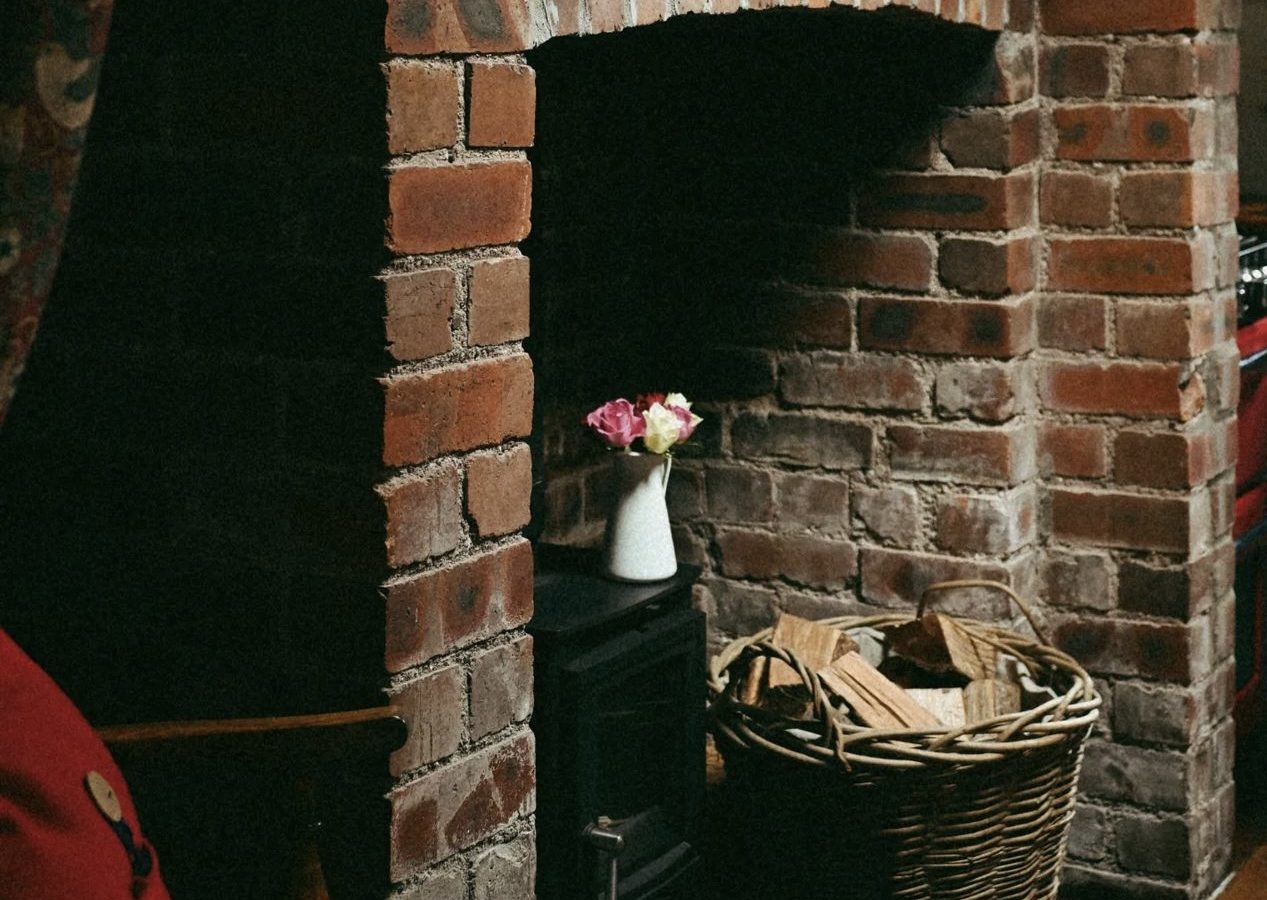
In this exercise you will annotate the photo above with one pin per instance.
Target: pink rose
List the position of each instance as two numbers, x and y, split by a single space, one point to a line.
687 421
617 423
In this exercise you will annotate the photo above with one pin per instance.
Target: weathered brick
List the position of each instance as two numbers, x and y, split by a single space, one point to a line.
1165 330
1074 70
498 487
1164 459
1133 133
1167 652
1080 17
685 495
1073 323
426 27
964 327
735 608
1130 265
501 687
803 440
422 106
1079 580
804 559
1132 389
1177 593
1010 76
1161 846
506 871
854 380
502 104
897 578
1073 451
1081 882
941 200
498 310
458 407
992 392
1117 519
812 501
987 266
1089 833
844 258
890 513
449 207
432 706
1181 68
991 138
1154 714
998 524
1167 199
447 608
963 455
424 515
739 494
458 805
1079 199
420 313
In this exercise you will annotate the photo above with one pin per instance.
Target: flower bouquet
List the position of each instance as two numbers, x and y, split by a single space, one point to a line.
659 421
638 544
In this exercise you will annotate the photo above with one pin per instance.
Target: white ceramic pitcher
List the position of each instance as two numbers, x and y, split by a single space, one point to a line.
638 544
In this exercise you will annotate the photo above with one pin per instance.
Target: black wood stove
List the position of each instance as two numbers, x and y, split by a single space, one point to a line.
619 722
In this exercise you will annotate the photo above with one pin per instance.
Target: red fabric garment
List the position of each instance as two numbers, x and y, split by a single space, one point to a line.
56 843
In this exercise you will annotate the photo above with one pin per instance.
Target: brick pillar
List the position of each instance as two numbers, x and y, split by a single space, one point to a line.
458 401
1137 382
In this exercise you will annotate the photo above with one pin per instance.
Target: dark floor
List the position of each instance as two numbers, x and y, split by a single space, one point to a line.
1249 848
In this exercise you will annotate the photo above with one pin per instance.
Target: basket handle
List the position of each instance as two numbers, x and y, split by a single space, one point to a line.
982 583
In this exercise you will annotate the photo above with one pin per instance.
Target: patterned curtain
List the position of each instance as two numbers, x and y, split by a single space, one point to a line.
50 60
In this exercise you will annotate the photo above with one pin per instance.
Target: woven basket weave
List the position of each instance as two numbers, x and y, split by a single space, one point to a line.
839 810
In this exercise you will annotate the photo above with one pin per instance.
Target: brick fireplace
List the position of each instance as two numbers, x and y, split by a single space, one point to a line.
957 300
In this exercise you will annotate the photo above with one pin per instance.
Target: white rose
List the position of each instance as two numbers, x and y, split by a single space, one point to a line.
677 400
662 428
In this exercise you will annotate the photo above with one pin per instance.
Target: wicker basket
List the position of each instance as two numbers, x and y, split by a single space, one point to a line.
831 809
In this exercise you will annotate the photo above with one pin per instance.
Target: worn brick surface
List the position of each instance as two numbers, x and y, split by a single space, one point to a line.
804 559
964 327
1164 651
901 262
964 455
498 486
422 106
449 607
1073 451
812 501
424 515
420 309
433 707
739 494
991 138
1154 714
1161 330
1173 592
1075 70
1162 459
426 27
992 392
1182 199
1079 17
449 207
1130 389
943 200
506 871
1078 580
1118 519
458 805
804 440
1136 265
987 266
459 407
498 310
890 513
1076 199
997 524
897 578
1136 133
502 104
501 687
1068 322
859 381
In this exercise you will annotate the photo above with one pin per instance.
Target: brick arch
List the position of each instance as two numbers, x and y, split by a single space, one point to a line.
426 28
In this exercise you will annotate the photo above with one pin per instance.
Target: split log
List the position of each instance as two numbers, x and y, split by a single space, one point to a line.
874 700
